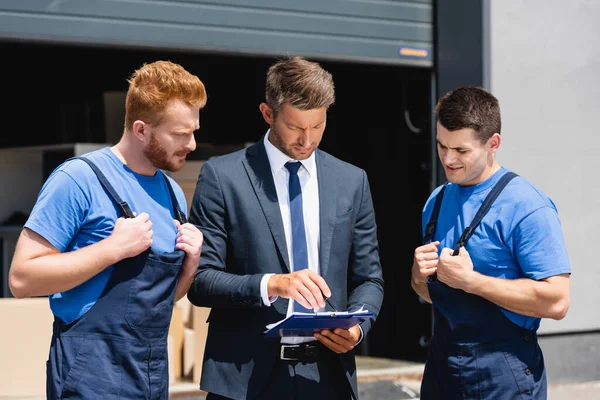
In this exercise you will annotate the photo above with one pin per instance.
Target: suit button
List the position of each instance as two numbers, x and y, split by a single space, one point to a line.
527 338
527 371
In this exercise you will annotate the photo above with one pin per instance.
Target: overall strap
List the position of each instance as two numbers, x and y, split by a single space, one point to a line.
123 204
178 214
485 207
430 227
127 213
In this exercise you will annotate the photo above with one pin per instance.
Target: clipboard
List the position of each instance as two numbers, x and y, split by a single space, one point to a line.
306 324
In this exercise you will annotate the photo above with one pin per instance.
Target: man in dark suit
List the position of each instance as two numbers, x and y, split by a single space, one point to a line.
285 226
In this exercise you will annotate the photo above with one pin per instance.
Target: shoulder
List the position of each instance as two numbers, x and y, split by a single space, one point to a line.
225 161
526 196
342 167
80 171
225 166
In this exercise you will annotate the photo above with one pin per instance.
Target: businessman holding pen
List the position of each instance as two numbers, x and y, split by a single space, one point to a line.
285 226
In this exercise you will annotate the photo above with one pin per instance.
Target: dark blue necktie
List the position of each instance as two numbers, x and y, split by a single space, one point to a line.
299 249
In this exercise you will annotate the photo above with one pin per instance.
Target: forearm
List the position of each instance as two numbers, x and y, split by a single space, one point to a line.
184 282
547 298
369 295
365 292
421 289
59 272
213 288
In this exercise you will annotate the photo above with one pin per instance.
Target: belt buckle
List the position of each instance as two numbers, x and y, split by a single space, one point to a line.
282 352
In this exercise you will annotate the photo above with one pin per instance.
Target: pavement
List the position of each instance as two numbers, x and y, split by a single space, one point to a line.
386 379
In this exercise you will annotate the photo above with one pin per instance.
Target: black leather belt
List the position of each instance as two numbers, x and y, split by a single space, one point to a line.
303 352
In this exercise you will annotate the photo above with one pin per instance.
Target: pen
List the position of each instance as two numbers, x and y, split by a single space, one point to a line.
329 303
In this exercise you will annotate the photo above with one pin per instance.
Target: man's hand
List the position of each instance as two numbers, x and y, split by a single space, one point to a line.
189 239
304 286
339 340
455 271
425 262
132 236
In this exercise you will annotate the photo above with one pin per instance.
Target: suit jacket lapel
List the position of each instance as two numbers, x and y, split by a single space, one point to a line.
259 171
327 208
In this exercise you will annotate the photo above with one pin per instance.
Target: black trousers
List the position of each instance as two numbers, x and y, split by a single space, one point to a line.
294 380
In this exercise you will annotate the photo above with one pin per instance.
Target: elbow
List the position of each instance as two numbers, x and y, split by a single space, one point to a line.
17 283
559 309
17 287
193 297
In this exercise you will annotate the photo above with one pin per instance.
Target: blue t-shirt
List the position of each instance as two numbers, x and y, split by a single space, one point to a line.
73 211
519 237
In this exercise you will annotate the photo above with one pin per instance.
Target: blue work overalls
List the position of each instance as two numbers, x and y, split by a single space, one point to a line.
118 349
476 352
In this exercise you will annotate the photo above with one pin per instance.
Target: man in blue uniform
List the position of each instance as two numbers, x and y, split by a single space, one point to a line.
109 243
490 276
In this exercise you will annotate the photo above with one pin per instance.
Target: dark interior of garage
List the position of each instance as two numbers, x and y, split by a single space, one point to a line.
381 122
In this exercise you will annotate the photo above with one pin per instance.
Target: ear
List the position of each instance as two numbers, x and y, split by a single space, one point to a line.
494 142
140 130
267 113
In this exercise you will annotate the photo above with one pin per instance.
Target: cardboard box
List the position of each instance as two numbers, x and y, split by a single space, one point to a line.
189 353
200 327
176 337
24 346
186 310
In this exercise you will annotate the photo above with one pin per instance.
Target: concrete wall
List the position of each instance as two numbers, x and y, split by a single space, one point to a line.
545 63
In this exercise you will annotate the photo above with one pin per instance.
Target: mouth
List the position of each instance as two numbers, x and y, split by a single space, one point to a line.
452 169
302 149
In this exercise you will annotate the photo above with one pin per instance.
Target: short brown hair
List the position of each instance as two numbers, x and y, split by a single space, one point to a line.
300 83
470 107
153 86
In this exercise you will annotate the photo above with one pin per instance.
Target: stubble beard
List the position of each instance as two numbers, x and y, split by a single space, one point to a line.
158 157
278 142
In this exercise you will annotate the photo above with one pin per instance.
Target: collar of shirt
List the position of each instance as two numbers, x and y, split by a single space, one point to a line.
277 159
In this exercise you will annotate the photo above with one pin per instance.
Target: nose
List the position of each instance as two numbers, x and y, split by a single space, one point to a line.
192 143
305 139
448 157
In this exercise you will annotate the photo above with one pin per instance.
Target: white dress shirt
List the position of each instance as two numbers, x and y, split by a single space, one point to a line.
310 209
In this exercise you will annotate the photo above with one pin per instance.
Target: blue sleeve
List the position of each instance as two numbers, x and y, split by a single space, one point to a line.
59 211
539 245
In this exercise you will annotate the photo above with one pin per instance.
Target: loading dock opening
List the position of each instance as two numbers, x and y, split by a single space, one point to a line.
381 121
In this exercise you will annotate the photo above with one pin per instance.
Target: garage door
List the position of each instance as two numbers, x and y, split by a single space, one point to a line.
380 31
